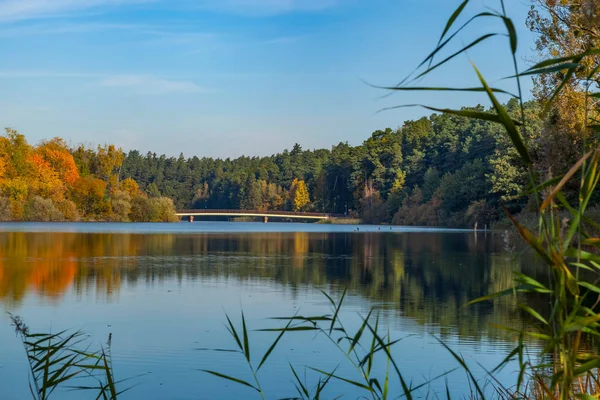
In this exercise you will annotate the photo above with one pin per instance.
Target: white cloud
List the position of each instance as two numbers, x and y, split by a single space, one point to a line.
151 85
15 10
11 10
267 7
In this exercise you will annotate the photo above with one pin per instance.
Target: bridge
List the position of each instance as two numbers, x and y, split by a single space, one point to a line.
254 213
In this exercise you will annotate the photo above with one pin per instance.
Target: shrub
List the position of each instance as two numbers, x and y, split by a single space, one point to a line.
42 210
163 210
6 213
121 205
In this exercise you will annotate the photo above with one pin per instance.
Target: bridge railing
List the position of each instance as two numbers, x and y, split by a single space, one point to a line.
270 212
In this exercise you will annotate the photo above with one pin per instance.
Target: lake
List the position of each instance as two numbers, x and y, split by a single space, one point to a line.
162 290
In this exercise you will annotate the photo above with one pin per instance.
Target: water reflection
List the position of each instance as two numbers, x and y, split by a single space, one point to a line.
427 277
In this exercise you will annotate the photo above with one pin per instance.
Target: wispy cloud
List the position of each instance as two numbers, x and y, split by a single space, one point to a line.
283 40
16 10
154 33
148 84
38 74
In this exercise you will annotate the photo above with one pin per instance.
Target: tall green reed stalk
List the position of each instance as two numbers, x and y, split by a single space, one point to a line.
566 246
360 351
62 359
566 368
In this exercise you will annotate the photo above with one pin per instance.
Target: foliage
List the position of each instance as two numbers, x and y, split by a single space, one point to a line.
121 205
57 359
162 210
568 313
42 210
299 196
6 213
51 181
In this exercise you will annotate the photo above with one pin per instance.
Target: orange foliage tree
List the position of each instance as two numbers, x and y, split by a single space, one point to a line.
76 183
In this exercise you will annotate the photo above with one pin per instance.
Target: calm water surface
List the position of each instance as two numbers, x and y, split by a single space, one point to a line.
162 290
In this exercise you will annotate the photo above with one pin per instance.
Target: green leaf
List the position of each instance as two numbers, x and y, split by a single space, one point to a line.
337 310
533 313
359 333
246 341
291 329
441 89
589 286
302 386
512 34
548 70
462 113
230 378
270 350
357 384
453 18
462 50
508 123
234 333
461 361
564 180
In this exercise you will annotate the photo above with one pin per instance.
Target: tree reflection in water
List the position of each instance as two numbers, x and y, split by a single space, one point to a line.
428 277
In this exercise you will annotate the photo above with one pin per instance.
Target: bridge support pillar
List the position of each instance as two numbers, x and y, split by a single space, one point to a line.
266 219
191 218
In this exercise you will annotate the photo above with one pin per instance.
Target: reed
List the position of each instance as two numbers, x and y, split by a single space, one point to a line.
64 359
566 368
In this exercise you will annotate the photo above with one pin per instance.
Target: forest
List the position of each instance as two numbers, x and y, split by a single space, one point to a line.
438 171
53 182
441 170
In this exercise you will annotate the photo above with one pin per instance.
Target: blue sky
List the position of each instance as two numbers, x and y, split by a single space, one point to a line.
223 78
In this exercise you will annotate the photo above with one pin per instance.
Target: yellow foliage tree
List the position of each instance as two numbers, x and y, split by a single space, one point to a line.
299 195
130 186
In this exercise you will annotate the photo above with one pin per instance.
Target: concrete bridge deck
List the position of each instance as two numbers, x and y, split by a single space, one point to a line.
255 213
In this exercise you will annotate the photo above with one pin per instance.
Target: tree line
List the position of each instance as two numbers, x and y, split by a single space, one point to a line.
53 182
439 170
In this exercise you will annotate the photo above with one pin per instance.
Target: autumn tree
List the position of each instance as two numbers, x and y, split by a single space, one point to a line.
299 196
42 210
566 28
131 187
90 195
121 205
110 160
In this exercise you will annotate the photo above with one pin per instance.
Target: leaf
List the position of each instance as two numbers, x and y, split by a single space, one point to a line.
512 34
462 113
405 388
246 341
465 367
542 186
530 239
234 333
230 378
359 333
357 384
266 356
337 310
533 313
508 123
462 50
589 286
564 180
304 389
291 329
547 70
453 18
441 89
